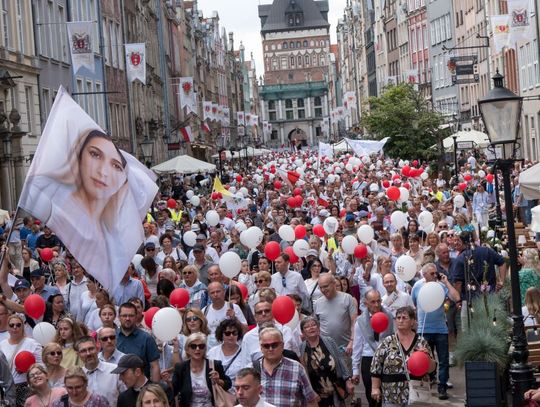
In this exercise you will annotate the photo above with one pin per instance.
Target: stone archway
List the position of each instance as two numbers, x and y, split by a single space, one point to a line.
298 137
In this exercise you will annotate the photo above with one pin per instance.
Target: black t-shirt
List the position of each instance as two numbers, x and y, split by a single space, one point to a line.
50 242
128 398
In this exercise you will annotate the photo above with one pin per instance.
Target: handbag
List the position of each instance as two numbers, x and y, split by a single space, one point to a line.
222 398
419 390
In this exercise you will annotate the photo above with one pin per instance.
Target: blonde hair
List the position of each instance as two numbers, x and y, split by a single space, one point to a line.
532 261
49 348
204 322
156 390
532 302
76 331
39 367
75 372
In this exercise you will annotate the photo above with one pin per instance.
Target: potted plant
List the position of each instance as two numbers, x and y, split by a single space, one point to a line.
483 350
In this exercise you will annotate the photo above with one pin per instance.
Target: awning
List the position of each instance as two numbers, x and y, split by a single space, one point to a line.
477 137
529 181
184 164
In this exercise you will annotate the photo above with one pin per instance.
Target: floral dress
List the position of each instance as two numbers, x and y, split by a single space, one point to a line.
389 366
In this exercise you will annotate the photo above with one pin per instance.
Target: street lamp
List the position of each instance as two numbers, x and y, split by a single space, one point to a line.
147 147
501 114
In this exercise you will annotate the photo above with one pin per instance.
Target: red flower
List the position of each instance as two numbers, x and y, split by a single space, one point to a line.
186 86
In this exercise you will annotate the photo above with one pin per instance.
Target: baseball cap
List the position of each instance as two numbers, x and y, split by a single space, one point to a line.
128 361
324 213
169 227
312 252
37 273
150 245
201 236
198 248
22 283
349 217
363 214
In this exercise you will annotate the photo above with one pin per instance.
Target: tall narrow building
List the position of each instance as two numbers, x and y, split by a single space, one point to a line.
296 46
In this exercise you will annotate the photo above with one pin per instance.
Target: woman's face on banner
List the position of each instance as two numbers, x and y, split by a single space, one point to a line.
102 172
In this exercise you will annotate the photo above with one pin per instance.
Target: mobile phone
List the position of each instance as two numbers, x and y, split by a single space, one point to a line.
438 275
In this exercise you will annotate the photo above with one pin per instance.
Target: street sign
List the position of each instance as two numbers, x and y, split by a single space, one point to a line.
465 145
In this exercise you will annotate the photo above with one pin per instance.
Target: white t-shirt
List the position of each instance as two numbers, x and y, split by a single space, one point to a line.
200 391
216 353
10 351
214 318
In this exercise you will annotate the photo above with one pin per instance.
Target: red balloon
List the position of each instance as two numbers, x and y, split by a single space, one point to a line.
467 177
379 322
171 203
243 289
299 200
395 177
318 230
406 185
393 193
179 297
297 191
214 196
386 183
418 364
462 186
406 170
292 202
413 173
300 232
238 178
23 361
415 163
292 255
360 251
293 176
272 250
283 309
489 178
34 306
219 195
226 186
420 171
46 254
273 170
278 184
149 316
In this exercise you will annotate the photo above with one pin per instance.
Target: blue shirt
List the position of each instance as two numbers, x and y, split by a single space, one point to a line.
47 291
139 343
431 322
123 292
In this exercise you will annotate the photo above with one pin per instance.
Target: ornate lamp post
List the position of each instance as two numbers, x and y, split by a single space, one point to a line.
501 113
147 147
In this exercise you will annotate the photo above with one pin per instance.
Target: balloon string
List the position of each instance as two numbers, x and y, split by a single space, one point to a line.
230 286
424 324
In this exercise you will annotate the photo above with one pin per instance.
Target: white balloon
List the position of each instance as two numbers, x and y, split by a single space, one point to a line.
301 247
44 333
424 176
243 238
232 190
398 219
430 296
230 264
430 228
490 234
240 226
330 225
373 188
365 234
349 167
349 243
403 195
286 232
481 173
195 200
190 238
405 267
189 194
425 219
244 191
253 237
212 217
366 159
167 324
459 201
293 323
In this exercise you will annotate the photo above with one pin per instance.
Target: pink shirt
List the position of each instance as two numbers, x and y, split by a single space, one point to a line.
56 393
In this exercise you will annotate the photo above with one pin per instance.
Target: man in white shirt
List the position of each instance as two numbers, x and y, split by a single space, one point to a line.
287 281
75 289
101 380
220 309
248 388
394 299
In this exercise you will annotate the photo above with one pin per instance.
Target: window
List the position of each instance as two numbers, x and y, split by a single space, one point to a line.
29 98
314 60
301 114
298 45
285 45
292 61
289 114
288 104
91 100
62 34
20 26
300 103
272 105
299 60
106 42
306 58
274 135
317 101
274 64
6 25
114 44
305 43
45 103
291 45
322 60
284 63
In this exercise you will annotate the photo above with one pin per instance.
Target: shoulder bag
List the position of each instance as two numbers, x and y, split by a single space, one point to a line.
419 390
222 398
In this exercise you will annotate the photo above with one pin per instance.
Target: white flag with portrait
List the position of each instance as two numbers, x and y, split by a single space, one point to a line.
80 40
207 111
136 62
92 195
241 118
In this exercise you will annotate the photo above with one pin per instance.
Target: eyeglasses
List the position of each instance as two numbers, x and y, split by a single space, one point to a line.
192 319
107 338
55 353
443 226
229 333
260 281
263 312
199 346
34 375
18 325
271 345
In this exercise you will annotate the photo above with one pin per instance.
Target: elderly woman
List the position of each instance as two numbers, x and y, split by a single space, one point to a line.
193 379
79 395
52 358
15 343
191 282
327 373
229 334
37 377
529 275
389 374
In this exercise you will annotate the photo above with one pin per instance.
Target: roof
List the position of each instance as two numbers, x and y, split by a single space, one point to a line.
273 16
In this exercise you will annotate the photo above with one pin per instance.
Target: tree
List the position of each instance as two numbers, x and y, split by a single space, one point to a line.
403 114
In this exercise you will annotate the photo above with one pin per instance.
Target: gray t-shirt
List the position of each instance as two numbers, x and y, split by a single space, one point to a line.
335 317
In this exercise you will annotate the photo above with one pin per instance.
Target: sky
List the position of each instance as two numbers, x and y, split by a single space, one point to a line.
241 17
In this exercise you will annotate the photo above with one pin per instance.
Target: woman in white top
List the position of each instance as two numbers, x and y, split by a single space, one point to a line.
61 278
229 334
315 269
11 347
88 299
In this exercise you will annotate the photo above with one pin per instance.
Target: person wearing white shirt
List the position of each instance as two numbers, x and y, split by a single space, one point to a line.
394 299
220 309
109 353
286 281
248 388
101 380
209 252
75 289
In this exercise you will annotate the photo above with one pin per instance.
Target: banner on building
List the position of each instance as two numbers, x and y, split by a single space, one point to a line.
226 116
80 44
519 20
136 62
325 150
325 127
92 195
240 118
500 26
349 100
188 97
254 120
207 111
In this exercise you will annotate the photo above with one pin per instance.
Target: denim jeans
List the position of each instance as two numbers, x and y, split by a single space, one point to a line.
439 343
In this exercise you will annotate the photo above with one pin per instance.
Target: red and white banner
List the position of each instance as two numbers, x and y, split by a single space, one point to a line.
92 195
80 36
206 128
187 95
500 26
136 62
187 134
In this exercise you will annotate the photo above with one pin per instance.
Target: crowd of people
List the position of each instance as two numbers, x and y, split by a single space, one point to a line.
231 349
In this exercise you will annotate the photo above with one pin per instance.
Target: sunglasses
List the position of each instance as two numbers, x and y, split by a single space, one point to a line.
18 325
150 249
200 346
261 281
192 319
55 353
229 333
271 345
107 338
187 272
263 311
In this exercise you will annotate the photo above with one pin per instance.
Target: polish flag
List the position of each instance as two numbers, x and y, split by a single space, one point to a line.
206 128
187 134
